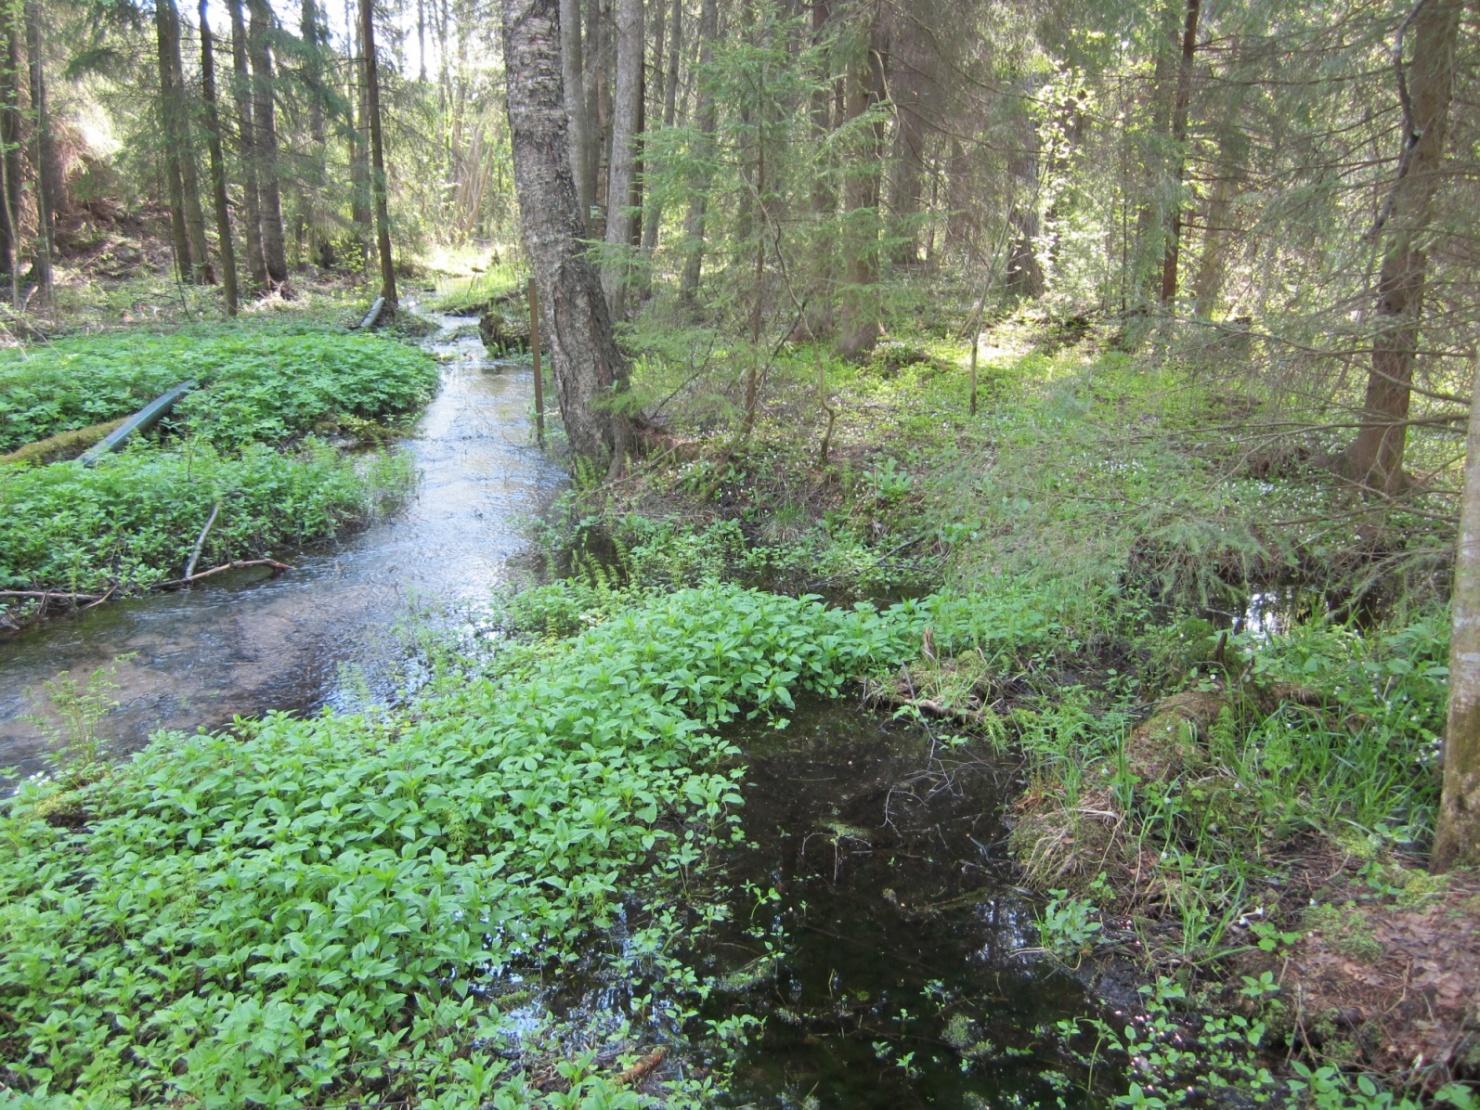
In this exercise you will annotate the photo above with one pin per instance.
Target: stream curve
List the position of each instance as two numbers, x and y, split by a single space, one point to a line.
251 643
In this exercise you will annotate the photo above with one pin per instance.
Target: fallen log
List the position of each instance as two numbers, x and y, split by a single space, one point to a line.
143 420
63 445
640 1070
373 315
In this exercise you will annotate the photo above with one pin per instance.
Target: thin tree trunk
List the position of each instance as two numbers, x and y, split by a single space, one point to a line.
626 110
359 158
174 143
652 215
1179 152
315 36
575 102
377 157
824 195
1375 457
45 233
588 367
912 63
247 145
195 217
1024 276
706 117
218 162
10 158
1457 836
264 114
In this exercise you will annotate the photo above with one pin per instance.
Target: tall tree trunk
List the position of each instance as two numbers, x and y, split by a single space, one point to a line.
589 369
1457 835
1024 276
1228 173
264 116
195 217
45 232
571 72
706 116
1375 457
361 220
652 215
10 139
912 61
174 143
315 44
247 145
626 110
1179 152
377 156
859 327
824 195
218 162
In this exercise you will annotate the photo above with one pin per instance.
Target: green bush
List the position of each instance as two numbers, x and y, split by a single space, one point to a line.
130 521
262 384
325 907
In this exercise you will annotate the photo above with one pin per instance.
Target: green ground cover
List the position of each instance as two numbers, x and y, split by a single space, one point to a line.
339 906
243 444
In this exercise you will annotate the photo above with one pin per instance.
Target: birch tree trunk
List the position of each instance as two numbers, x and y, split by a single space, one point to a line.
590 372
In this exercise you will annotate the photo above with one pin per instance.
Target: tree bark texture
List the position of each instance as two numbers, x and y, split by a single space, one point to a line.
10 137
589 369
264 116
707 120
571 73
169 115
218 162
1375 457
859 328
1179 151
626 110
377 156
45 231
247 146
1457 836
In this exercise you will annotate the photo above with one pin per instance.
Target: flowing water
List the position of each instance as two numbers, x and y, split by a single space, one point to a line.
890 962
326 631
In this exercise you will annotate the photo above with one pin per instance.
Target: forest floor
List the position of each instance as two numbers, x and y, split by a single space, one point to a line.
1219 674
1223 670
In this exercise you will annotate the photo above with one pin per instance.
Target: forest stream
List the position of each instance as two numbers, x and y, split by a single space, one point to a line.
326 632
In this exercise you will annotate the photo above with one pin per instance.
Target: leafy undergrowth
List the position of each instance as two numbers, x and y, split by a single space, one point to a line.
243 447
130 521
1224 673
355 908
259 384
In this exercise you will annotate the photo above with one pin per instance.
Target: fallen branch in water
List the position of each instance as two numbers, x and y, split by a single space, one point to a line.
237 564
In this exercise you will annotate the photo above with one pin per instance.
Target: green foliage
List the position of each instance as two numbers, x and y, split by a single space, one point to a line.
472 295
259 384
327 906
130 521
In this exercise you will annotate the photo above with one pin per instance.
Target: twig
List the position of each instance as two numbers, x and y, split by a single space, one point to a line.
200 541
237 564
58 594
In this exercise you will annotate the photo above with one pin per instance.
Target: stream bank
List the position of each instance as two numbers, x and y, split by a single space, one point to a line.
323 634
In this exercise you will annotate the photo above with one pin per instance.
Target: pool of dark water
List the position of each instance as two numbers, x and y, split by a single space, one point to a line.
894 962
